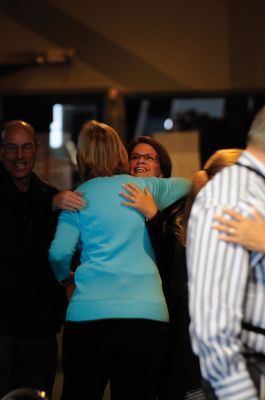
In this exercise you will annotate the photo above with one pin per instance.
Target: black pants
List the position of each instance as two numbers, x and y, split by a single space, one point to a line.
181 373
27 362
129 352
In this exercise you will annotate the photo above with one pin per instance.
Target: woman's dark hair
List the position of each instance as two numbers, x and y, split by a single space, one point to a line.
163 156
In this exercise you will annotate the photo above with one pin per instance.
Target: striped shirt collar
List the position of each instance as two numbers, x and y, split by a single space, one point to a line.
247 158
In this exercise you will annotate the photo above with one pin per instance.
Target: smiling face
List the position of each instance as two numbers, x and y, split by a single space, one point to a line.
144 161
18 154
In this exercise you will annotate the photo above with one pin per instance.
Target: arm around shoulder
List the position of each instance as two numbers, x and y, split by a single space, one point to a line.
168 190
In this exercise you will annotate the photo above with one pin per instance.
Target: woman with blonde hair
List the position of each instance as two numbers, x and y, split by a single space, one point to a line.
117 318
218 160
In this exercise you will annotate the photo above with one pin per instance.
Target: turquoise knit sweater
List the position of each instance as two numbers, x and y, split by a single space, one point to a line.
117 276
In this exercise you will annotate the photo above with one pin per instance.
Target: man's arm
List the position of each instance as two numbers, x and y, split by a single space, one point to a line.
68 200
218 274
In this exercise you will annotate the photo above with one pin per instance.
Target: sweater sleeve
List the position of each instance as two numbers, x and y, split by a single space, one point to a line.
64 244
167 190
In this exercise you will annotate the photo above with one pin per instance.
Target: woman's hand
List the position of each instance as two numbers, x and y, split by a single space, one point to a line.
249 233
68 200
142 201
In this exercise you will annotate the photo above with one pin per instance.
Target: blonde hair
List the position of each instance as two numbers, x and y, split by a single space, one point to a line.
219 160
100 151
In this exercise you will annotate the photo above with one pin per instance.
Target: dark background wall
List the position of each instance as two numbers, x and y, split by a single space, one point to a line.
73 52
136 45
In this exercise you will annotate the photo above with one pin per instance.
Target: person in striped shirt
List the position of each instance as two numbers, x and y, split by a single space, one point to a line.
226 282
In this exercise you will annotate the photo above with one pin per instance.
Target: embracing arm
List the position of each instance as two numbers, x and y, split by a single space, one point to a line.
247 232
141 200
158 194
165 191
68 200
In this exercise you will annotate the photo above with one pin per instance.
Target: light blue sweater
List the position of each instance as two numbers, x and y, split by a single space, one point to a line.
117 277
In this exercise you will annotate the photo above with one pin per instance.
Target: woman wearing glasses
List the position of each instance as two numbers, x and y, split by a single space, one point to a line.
168 229
181 373
148 158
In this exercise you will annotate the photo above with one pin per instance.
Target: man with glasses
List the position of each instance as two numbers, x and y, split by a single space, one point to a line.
31 301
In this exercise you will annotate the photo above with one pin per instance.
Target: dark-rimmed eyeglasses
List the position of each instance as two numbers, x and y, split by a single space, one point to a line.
146 157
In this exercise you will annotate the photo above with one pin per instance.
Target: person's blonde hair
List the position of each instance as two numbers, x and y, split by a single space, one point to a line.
100 151
220 159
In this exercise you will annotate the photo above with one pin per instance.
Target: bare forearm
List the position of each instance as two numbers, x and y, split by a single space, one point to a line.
249 233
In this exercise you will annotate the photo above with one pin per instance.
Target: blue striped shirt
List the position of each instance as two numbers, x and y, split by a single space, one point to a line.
226 282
